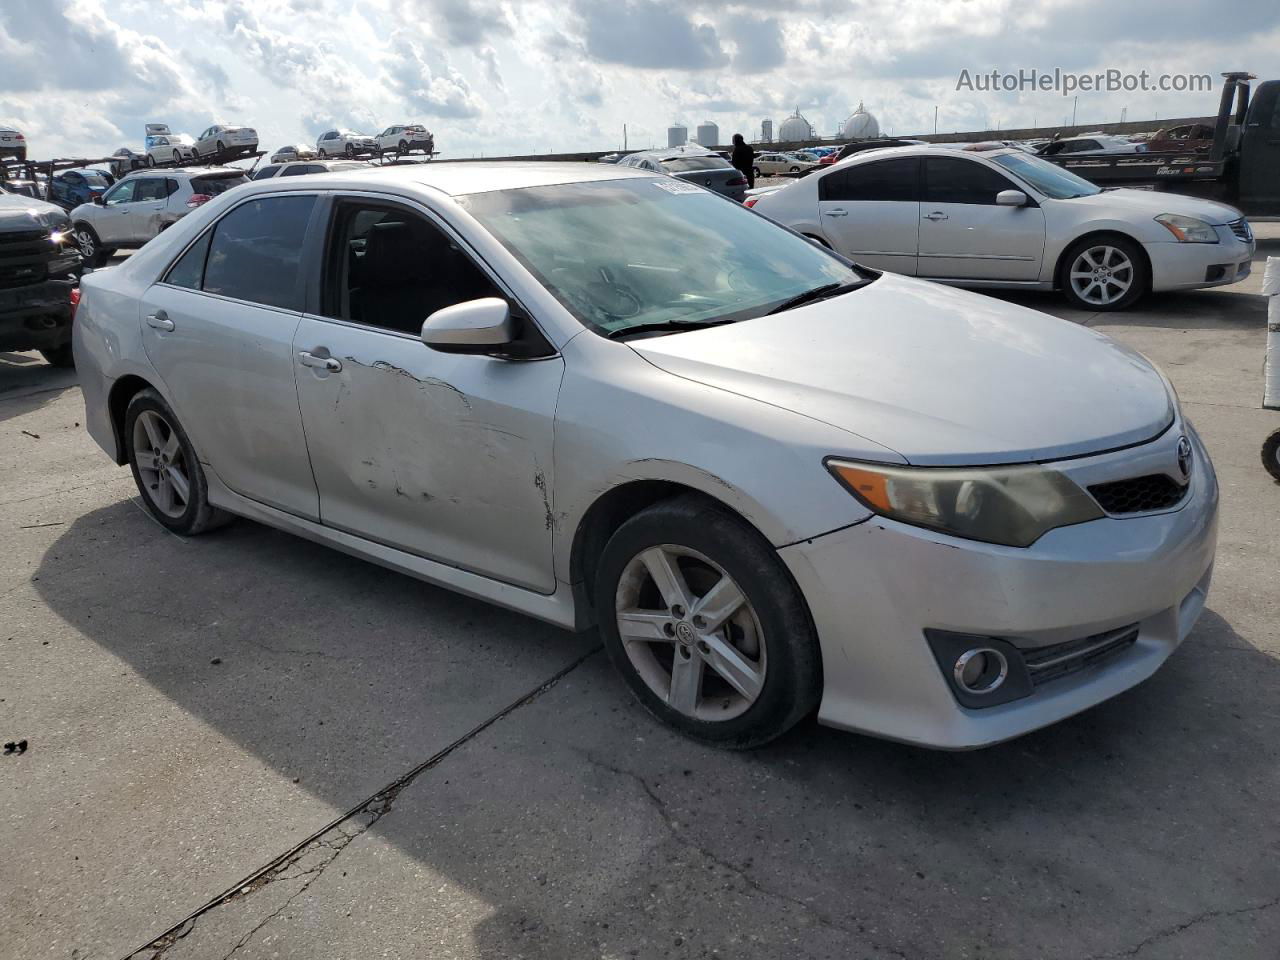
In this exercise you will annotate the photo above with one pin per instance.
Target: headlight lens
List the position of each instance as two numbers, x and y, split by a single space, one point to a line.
1187 229
1013 506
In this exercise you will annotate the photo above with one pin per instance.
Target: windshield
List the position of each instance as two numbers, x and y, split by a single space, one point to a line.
95 179
632 253
1049 178
685 164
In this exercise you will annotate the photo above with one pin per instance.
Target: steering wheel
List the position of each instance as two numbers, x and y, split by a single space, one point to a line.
611 299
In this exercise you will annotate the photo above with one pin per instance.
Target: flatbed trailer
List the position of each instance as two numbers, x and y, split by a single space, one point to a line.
1242 166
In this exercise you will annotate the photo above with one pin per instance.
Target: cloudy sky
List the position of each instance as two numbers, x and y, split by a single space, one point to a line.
82 76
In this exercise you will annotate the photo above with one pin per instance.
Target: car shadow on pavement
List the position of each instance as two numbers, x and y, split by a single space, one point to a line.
585 828
28 383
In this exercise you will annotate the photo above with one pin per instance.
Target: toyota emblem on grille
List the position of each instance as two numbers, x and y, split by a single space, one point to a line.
1184 457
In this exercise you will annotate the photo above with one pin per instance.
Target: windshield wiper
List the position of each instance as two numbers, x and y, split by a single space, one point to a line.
664 326
824 292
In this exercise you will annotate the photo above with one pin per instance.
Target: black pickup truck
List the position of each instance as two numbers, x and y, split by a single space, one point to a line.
40 268
1242 166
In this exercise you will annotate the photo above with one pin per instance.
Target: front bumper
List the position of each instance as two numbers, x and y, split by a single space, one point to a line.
36 317
875 588
1189 266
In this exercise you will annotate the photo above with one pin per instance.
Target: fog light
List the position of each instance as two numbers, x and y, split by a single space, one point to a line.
981 670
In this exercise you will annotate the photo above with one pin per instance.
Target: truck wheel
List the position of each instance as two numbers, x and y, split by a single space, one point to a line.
165 467
59 356
1103 273
1271 455
705 624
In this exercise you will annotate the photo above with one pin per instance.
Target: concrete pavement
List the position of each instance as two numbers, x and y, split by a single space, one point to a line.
198 710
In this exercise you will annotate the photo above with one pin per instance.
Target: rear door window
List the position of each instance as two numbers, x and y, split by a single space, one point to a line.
952 180
266 172
886 180
256 251
212 186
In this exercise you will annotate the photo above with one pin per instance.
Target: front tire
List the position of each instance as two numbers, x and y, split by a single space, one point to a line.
402 148
755 172
322 153
705 624
1104 274
351 150
91 249
166 469
1271 455
177 157
151 161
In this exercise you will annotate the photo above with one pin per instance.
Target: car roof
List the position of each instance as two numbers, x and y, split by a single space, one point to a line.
183 171
923 150
459 178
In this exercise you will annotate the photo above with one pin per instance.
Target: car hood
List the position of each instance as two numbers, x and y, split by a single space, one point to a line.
1150 204
18 212
940 376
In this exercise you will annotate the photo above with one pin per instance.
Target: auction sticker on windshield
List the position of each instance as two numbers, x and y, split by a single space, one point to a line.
677 186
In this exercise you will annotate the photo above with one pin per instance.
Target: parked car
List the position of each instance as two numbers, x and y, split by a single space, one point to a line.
692 165
1096 143
860 146
771 164
301 167
224 142
1191 137
12 143
293 152
170 148
124 161
619 401
40 268
1003 218
406 138
140 207
21 187
335 143
70 188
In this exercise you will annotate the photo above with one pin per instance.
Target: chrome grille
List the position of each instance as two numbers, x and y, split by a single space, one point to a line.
1158 491
1241 229
1063 659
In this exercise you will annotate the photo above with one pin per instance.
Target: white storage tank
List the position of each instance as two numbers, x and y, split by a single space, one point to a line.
708 134
766 131
860 125
677 135
795 128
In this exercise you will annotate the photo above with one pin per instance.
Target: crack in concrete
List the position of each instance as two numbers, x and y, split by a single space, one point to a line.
1170 932
673 827
336 835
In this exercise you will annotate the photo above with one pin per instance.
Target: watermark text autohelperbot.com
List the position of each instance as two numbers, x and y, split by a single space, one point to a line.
1068 83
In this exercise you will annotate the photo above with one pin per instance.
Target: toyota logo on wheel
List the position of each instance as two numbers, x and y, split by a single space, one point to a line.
1184 457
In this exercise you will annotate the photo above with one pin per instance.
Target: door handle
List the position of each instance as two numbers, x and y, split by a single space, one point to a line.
159 320
319 363
935 216
836 213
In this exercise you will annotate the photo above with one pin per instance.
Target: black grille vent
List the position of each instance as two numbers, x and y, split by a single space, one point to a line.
1139 494
1241 229
1063 659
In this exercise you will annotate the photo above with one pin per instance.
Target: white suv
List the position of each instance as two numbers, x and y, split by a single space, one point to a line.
219 140
142 205
405 138
299 168
12 143
334 143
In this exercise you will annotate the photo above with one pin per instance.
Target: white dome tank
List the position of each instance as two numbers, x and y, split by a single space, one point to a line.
860 126
794 128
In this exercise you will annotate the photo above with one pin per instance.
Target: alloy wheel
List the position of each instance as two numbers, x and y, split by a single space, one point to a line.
1102 275
158 453
691 633
85 240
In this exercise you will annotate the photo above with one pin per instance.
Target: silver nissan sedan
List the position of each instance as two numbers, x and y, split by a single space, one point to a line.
778 483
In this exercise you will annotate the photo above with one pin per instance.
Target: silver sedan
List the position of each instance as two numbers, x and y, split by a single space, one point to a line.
779 484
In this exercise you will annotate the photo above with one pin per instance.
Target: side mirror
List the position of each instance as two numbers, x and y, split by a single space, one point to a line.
481 326
1011 198
98 199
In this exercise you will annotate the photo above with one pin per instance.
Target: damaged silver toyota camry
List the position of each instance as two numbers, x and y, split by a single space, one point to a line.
779 483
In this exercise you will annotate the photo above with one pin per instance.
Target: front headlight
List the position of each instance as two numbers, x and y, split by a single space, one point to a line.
1013 506
1187 229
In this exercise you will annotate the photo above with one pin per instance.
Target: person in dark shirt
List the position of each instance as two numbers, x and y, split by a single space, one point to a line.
744 158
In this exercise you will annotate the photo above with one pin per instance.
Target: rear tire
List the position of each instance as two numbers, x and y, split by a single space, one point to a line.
59 356
322 153
166 468
151 161
177 158
402 148
1271 455
725 651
